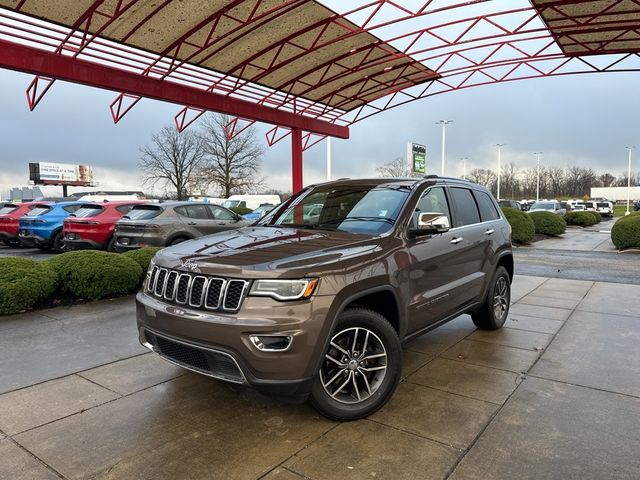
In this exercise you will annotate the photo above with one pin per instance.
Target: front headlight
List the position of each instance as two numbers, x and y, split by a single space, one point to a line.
284 289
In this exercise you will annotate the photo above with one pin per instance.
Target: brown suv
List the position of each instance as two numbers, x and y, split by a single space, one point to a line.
317 298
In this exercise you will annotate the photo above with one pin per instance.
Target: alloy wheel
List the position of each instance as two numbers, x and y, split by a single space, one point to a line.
500 298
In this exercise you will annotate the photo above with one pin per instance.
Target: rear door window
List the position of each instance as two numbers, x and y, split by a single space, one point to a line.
465 207
144 212
219 213
487 208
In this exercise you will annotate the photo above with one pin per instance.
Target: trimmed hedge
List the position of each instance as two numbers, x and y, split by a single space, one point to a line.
23 282
94 275
626 232
522 227
241 210
581 219
548 223
596 215
142 256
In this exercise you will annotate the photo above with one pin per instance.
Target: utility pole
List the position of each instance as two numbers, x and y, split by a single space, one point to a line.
464 167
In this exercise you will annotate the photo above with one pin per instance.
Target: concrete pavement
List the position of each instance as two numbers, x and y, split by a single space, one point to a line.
555 394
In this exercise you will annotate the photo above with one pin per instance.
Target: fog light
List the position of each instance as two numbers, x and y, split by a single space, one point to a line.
271 343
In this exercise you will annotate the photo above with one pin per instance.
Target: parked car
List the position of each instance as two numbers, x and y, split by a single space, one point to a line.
169 223
10 215
636 205
579 207
552 206
93 224
259 212
605 209
42 226
318 306
510 204
250 201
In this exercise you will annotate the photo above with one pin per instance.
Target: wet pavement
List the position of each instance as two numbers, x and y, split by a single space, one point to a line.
553 395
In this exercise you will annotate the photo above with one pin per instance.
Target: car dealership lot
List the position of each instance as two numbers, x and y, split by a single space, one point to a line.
555 394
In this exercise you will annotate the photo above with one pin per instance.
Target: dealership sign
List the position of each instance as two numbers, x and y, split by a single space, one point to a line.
60 174
417 155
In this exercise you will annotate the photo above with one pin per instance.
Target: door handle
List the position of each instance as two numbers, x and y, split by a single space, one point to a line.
192 223
457 240
489 232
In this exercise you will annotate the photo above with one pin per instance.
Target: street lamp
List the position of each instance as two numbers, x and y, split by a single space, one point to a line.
499 145
538 175
464 167
629 180
444 124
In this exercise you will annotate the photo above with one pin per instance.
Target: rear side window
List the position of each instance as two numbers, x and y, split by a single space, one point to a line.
88 211
124 209
199 212
144 212
487 208
465 207
38 210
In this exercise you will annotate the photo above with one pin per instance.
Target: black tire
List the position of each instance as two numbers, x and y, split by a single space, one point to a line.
111 244
58 243
368 390
495 309
176 241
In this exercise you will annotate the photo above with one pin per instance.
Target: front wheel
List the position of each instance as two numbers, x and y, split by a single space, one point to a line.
361 368
493 312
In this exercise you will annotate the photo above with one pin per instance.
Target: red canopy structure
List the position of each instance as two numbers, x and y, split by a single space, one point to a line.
297 64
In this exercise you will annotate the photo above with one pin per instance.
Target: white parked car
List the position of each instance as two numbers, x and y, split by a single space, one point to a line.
552 206
605 209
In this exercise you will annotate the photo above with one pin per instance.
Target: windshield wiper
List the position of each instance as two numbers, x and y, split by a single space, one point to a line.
359 219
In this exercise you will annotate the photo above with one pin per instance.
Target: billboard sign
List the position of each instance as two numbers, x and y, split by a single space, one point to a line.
417 155
46 173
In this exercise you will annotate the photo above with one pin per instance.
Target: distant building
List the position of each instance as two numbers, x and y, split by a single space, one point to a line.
615 194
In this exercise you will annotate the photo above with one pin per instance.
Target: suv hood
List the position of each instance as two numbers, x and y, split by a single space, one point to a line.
267 249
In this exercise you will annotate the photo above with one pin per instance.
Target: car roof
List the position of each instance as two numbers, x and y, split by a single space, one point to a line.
407 181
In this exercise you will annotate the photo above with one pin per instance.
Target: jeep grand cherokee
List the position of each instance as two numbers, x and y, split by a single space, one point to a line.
316 299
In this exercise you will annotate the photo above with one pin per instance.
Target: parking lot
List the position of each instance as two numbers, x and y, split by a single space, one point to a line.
555 394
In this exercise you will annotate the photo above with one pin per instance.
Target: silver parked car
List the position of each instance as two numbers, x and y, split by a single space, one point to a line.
169 223
552 206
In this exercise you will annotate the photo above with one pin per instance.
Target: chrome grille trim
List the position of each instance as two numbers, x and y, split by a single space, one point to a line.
218 294
202 293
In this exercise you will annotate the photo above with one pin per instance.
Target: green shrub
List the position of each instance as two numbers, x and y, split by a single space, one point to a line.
595 215
93 275
23 282
581 219
240 210
626 232
522 227
548 223
142 256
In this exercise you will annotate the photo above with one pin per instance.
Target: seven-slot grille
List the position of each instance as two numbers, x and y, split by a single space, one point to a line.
195 290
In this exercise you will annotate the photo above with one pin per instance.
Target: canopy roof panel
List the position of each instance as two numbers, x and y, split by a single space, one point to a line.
289 46
592 27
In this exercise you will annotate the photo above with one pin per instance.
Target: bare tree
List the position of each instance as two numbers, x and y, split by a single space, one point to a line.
232 165
483 176
509 182
173 159
395 168
606 179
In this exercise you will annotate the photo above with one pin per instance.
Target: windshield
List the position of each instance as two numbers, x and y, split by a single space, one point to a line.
369 209
7 209
543 206
230 203
38 210
143 212
603 205
88 211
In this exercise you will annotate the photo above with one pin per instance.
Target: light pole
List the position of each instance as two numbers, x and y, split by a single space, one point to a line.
629 180
464 167
499 145
444 124
538 177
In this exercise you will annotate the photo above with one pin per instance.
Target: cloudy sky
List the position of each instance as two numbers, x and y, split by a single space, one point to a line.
582 120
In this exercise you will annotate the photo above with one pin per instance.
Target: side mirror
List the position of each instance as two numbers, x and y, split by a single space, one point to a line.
430 223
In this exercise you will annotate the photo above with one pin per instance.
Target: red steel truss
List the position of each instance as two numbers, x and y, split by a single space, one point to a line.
417 49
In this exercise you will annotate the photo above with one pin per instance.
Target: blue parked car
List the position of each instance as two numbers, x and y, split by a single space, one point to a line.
42 226
259 212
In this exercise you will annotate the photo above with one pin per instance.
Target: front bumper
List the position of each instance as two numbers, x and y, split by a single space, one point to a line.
201 334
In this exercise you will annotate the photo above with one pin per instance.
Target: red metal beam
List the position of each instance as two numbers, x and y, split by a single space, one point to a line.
296 160
39 62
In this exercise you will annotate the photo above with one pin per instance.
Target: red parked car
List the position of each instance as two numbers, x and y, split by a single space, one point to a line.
10 215
92 225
